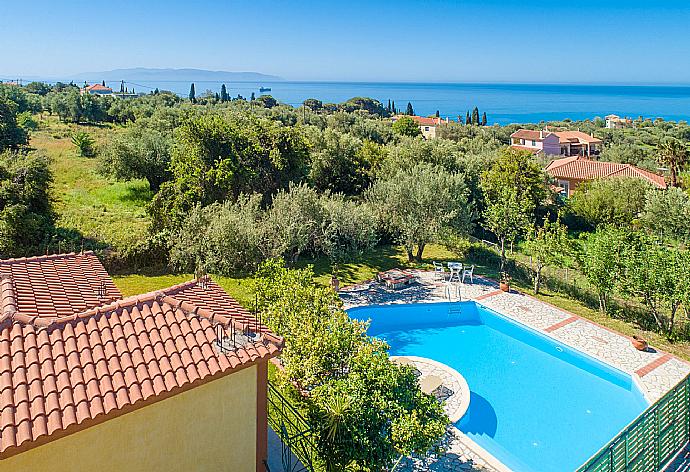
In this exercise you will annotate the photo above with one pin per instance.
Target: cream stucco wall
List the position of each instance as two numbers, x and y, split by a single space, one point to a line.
208 428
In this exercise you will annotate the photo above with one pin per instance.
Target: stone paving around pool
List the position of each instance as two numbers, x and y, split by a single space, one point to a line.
655 372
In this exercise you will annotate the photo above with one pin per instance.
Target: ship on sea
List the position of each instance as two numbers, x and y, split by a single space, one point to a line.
264 89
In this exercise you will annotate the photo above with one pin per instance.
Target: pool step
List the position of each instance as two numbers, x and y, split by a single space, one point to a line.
454 311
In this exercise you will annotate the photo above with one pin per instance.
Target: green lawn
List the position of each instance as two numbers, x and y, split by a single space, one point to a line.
111 213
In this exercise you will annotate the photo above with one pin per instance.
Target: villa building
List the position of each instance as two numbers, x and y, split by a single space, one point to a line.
96 89
616 122
569 172
426 125
172 380
556 143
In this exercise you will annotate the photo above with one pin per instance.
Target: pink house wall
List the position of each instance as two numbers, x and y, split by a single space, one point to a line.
551 145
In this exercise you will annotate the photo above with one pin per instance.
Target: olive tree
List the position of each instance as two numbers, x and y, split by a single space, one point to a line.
548 245
660 277
138 153
420 204
514 186
601 260
667 213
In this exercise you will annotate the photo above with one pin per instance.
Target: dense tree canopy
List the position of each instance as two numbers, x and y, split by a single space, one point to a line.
364 409
216 158
11 134
26 214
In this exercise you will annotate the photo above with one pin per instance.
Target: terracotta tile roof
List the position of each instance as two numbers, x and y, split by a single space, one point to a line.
530 135
60 375
98 87
577 137
422 120
56 285
564 137
587 169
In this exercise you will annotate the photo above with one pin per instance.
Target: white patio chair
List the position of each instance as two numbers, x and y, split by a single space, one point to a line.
439 271
468 272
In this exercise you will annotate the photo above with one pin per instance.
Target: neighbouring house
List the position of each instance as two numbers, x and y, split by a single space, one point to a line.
569 172
556 143
172 380
96 89
426 125
616 122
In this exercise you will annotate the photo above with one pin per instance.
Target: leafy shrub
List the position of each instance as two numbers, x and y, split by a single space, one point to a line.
616 201
365 410
406 126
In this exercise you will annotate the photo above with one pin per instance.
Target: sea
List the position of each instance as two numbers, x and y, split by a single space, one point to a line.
503 103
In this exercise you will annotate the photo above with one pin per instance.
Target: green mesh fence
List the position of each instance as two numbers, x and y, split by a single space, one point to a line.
651 440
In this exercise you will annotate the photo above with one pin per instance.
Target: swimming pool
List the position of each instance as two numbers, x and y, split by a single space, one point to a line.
535 404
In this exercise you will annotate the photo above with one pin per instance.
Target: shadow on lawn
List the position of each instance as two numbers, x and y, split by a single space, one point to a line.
140 195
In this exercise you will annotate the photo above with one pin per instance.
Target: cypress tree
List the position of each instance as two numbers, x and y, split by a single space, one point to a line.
122 87
223 93
103 83
394 110
410 110
253 97
388 108
132 90
475 116
438 115
192 94
468 120
484 119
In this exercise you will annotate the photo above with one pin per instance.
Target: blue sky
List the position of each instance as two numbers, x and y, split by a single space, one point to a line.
405 40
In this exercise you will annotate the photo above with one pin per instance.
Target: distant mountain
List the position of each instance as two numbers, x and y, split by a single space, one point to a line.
191 75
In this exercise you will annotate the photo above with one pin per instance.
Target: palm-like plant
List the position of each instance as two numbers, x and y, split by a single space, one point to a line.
84 143
673 154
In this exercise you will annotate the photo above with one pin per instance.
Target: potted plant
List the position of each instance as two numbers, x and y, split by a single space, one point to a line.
505 282
639 343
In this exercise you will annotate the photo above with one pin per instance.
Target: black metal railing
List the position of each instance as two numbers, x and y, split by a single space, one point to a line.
298 446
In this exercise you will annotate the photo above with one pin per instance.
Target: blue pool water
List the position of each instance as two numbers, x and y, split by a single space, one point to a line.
535 404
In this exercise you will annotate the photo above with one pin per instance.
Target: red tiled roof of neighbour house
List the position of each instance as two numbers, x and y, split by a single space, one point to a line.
565 137
60 375
586 169
530 135
57 285
424 121
98 87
